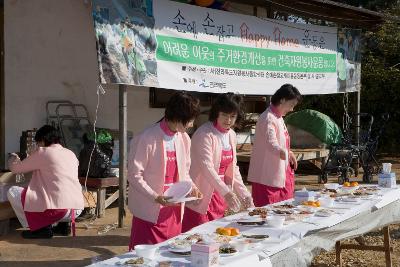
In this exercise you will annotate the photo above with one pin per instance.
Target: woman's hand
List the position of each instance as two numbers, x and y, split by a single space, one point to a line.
292 160
195 193
247 202
163 200
282 154
233 201
13 158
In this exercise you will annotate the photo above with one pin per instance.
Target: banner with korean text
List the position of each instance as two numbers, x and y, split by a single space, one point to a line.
167 44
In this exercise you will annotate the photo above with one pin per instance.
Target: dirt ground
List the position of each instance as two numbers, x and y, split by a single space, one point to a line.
91 243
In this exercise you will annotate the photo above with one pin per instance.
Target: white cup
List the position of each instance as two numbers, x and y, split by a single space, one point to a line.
386 167
146 251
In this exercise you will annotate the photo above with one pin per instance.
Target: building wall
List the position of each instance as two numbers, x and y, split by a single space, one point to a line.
50 54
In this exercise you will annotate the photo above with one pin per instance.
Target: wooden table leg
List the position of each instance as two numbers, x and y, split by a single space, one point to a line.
386 243
338 254
101 202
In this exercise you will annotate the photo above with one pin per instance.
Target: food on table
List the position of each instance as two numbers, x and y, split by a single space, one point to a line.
222 239
227 250
227 231
284 206
362 193
324 213
259 211
283 211
256 236
312 203
194 238
165 264
181 243
305 212
251 223
346 184
135 261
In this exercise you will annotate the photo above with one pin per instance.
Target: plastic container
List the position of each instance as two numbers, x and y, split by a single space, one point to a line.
146 251
276 221
326 202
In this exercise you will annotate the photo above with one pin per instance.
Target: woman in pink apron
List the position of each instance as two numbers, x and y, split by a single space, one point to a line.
214 169
54 193
159 157
272 163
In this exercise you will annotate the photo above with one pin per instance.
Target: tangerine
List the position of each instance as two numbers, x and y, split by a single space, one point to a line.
234 231
354 184
346 184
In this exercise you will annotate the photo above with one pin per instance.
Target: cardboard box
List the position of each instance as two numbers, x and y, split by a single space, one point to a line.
387 180
204 255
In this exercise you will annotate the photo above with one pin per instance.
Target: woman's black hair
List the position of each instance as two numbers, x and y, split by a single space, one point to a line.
48 134
286 92
227 103
182 107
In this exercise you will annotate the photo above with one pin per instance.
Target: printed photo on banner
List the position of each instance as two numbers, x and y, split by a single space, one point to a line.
126 42
175 45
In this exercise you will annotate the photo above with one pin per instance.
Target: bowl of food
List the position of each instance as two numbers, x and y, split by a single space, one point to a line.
146 251
349 187
332 186
240 245
276 221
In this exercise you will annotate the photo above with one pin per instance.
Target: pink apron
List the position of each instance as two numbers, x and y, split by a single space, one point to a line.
217 205
169 219
264 194
37 220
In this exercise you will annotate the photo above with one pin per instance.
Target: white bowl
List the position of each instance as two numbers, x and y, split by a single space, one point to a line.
146 251
240 245
349 189
326 202
276 221
332 186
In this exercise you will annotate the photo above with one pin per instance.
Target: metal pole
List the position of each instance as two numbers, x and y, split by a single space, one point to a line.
122 153
358 117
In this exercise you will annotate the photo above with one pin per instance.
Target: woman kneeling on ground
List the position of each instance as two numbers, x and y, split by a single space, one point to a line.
54 193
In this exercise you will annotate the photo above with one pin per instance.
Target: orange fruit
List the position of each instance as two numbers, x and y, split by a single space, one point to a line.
317 203
354 184
223 231
346 184
234 231
219 230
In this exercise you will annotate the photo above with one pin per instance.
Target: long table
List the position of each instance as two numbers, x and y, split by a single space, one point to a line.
297 243
244 154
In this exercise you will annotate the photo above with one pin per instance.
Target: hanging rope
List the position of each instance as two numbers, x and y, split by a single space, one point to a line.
346 117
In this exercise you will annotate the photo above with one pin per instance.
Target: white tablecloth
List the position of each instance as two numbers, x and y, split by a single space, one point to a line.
281 239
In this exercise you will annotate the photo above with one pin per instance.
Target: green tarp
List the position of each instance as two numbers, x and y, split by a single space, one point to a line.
316 123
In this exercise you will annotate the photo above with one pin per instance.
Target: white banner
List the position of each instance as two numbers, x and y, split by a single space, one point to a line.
179 46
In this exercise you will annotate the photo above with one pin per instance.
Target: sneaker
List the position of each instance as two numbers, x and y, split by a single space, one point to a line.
62 228
45 232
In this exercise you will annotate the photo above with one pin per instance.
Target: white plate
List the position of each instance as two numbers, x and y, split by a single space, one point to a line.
179 250
228 254
122 262
184 246
178 190
185 199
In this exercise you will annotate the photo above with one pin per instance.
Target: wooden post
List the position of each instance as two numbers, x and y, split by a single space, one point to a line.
122 153
338 254
101 198
386 244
